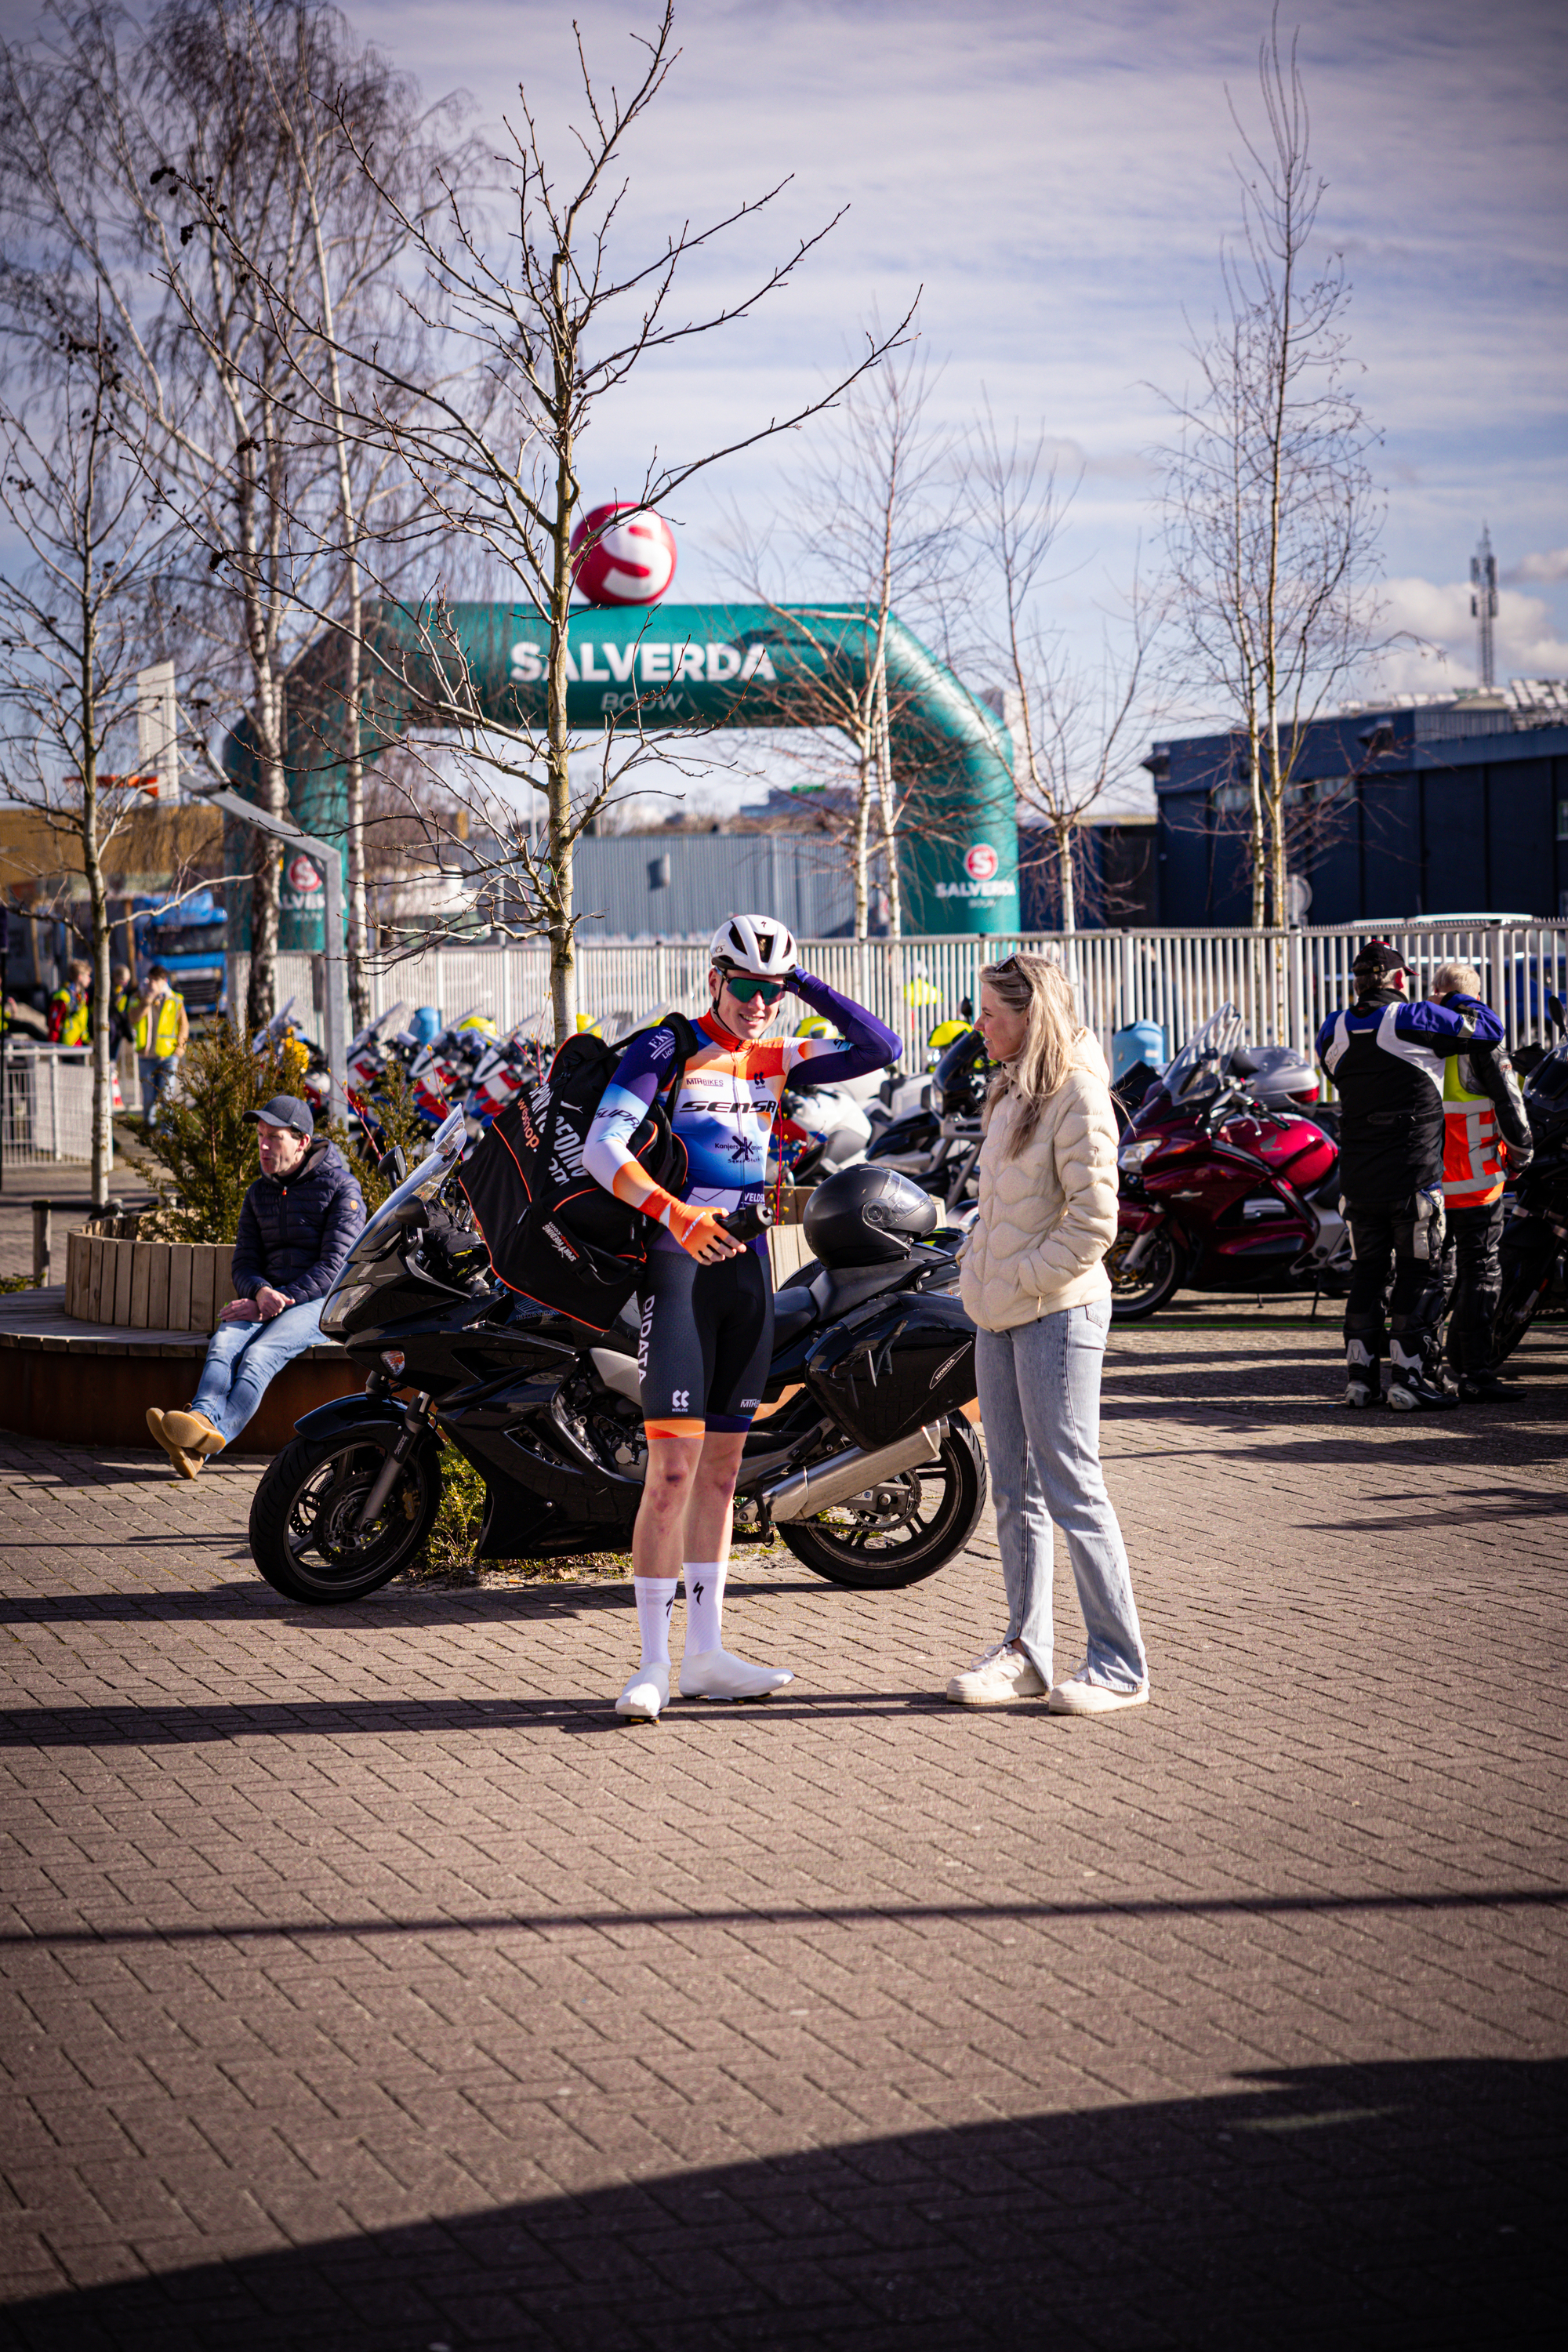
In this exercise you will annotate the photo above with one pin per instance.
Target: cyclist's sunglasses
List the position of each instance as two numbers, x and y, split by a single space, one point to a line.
770 991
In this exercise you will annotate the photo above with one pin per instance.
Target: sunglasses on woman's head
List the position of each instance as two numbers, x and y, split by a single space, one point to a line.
770 991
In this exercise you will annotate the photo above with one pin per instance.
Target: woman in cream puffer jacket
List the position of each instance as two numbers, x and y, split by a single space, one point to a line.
1033 1279
1048 1212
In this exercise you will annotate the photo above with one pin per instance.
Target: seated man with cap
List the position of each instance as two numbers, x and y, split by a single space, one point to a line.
299 1221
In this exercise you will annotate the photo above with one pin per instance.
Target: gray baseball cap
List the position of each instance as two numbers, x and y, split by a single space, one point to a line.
285 1110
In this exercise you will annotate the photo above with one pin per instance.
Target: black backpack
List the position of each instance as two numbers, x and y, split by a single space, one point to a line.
553 1234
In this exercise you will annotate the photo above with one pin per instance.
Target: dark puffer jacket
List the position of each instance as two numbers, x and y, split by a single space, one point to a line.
296 1231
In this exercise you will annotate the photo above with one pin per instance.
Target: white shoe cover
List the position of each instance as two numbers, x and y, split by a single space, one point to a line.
715 1674
647 1694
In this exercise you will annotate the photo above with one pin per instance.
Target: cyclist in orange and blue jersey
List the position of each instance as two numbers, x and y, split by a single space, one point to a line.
706 1299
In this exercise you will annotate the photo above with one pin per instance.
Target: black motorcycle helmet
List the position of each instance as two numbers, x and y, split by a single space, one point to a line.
961 1075
867 1216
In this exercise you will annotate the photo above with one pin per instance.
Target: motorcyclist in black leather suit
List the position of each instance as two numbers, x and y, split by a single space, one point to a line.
1388 1057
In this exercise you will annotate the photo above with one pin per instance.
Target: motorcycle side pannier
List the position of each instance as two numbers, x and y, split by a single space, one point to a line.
887 1374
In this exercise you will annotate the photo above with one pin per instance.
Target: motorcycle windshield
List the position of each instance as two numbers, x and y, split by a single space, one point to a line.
1197 1070
422 1184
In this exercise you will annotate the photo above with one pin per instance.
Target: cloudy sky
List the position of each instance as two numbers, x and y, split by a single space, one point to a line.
1058 182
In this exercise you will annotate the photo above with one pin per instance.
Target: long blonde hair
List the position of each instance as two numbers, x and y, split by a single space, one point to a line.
1034 986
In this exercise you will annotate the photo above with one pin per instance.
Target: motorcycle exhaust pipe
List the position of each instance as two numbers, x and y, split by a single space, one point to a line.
802 1496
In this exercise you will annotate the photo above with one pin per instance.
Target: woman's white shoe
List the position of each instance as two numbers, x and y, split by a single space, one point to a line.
1077 1697
716 1673
996 1678
647 1694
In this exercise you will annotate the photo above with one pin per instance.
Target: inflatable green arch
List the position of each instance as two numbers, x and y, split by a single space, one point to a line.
749 666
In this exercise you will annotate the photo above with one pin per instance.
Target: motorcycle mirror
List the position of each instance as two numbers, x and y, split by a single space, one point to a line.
966 1008
393 1164
1554 1010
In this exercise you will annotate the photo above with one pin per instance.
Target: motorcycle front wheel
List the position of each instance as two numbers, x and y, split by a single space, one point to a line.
903 1528
1152 1283
305 1536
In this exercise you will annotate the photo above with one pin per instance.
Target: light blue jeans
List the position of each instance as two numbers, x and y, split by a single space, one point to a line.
1039 1402
242 1358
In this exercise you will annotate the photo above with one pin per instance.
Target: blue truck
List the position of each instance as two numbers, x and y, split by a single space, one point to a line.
189 937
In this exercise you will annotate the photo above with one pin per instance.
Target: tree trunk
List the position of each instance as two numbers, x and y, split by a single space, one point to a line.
266 720
1065 880
861 845
885 790
98 901
1258 858
558 782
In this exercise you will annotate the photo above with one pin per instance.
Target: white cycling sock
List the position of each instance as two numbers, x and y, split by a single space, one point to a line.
704 1603
655 1599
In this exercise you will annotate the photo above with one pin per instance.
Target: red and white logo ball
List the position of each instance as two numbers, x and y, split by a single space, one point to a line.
982 863
629 563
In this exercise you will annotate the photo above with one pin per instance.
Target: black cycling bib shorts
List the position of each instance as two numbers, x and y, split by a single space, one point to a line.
705 1341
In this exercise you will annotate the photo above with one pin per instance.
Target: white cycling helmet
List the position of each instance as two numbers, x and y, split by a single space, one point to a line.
754 944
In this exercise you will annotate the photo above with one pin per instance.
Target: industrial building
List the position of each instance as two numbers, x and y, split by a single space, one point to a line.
1424 808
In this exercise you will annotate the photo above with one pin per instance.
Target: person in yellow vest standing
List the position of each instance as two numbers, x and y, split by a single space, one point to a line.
71 1008
1485 1131
163 1032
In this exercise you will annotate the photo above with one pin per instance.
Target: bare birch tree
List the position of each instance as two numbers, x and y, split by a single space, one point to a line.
871 518
200 173
72 610
1270 516
543 320
1077 723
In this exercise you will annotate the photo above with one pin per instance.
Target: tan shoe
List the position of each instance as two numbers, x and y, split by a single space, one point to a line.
187 1466
192 1433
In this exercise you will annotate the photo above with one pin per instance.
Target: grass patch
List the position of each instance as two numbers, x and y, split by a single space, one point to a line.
15 1282
448 1555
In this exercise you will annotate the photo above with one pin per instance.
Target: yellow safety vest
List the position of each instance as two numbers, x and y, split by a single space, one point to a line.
77 1026
1472 1166
165 1031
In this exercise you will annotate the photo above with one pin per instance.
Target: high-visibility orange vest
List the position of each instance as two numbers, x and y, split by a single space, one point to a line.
1472 1166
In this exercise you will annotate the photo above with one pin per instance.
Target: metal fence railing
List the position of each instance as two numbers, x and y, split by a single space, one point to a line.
47 1104
1285 983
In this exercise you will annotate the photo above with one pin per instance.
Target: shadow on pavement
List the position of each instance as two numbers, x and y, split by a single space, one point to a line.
397 1606
1386 2205
257 1932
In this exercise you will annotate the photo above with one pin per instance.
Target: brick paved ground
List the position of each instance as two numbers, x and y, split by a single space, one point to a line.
366 1984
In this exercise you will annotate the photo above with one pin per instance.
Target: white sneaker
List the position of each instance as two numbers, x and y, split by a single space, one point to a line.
647 1694
1078 1696
996 1678
715 1674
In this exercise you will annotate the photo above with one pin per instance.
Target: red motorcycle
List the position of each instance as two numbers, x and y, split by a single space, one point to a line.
1220 1190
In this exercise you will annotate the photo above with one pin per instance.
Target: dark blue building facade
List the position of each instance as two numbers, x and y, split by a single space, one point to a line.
1394 814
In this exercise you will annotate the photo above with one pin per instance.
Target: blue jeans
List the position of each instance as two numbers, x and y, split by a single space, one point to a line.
242 1358
157 1072
1039 1402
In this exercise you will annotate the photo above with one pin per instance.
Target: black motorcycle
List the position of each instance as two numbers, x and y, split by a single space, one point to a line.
1536 1234
867 1467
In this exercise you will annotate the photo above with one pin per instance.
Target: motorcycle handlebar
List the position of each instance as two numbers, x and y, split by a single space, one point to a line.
745 1224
